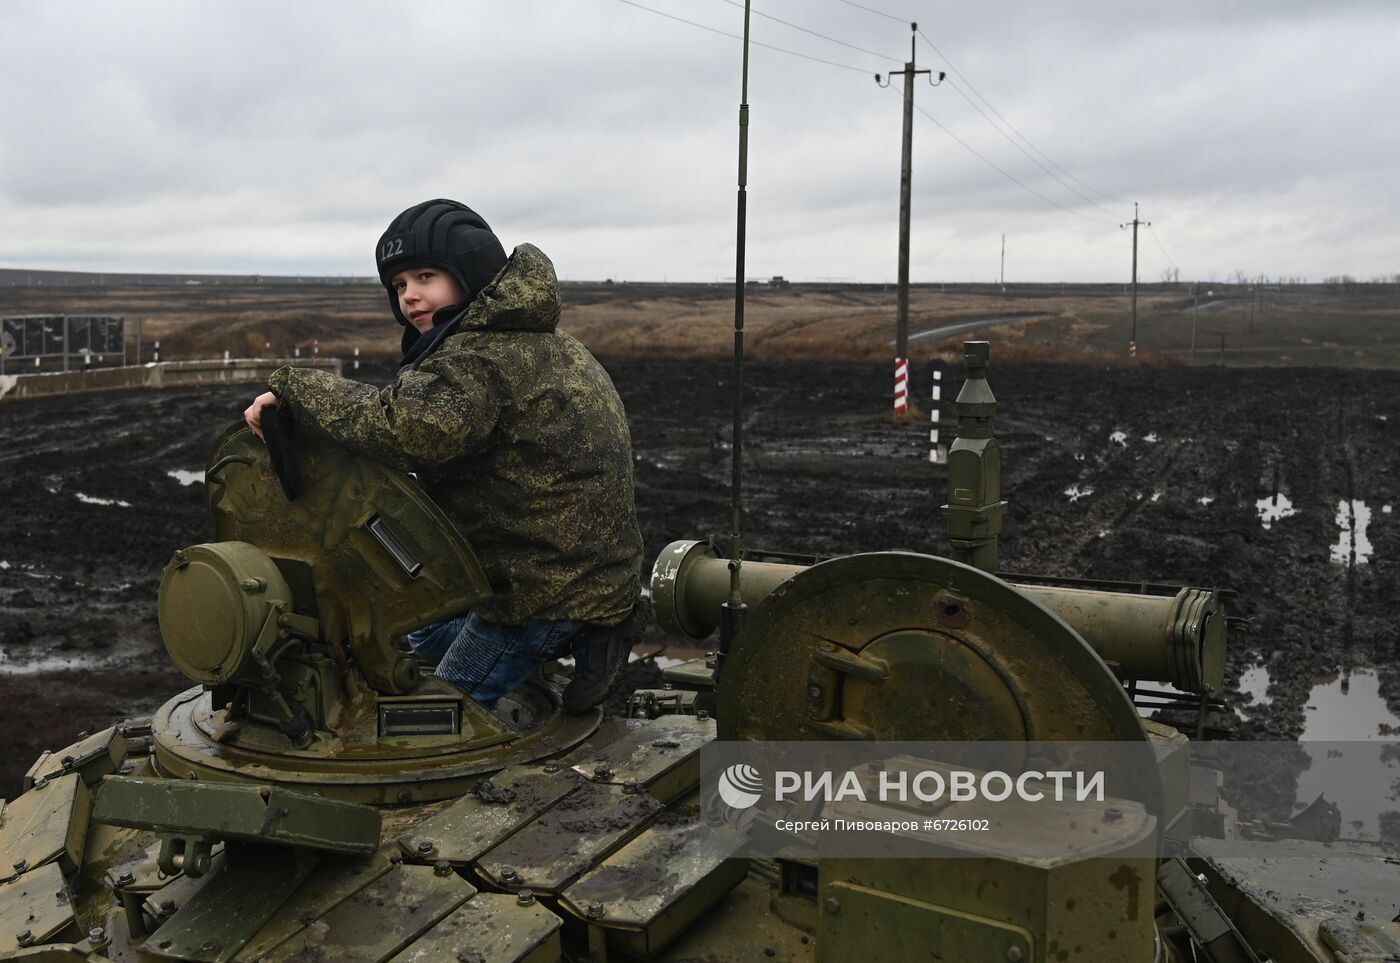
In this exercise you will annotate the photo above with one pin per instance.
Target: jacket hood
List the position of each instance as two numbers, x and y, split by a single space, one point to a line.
524 296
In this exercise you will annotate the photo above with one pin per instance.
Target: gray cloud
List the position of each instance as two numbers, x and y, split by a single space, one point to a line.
249 135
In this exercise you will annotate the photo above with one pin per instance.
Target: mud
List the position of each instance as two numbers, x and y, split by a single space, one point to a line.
1168 465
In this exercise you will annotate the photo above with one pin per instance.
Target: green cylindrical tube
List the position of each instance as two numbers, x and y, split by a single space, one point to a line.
1168 638
690 582
1178 639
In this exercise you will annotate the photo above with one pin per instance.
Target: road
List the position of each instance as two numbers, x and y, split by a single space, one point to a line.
949 330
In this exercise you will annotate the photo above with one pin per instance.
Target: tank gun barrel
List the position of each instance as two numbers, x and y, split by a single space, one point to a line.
1177 638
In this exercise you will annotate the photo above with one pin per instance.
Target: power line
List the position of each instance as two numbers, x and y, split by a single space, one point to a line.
1008 123
785 23
988 103
973 104
1025 187
966 146
1151 262
735 36
961 93
1153 231
874 11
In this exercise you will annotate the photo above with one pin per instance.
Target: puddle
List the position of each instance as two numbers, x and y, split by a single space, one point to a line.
1273 508
1120 438
1352 546
1332 715
1359 777
4 564
1255 681
186 477
94 500
1075 492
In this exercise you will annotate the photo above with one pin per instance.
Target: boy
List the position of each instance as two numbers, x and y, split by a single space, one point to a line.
516 432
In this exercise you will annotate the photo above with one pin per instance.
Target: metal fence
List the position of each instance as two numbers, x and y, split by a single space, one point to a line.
74 339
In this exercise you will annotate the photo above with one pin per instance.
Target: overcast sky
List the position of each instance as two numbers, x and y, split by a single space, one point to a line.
281 137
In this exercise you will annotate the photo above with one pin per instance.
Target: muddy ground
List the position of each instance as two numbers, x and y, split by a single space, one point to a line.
1171 462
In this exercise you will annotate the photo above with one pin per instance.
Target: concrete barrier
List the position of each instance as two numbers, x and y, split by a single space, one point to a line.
160 374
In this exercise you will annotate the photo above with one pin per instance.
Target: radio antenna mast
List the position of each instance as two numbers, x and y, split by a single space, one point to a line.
734 610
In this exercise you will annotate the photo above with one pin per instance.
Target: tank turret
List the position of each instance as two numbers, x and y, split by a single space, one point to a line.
291 623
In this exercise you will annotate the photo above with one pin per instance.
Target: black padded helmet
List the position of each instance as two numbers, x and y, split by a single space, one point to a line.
443 234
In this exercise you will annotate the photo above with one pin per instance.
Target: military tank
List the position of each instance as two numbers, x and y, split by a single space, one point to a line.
316 795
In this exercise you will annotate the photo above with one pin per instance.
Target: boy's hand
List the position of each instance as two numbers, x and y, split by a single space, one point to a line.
253 413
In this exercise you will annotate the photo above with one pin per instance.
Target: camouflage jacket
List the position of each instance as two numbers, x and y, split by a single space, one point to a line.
517 432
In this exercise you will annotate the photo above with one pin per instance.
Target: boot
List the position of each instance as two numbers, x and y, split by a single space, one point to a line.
599 659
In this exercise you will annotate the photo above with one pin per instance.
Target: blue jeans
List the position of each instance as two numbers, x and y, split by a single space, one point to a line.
486 659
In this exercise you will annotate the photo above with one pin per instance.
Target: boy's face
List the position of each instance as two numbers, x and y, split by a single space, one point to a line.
422 290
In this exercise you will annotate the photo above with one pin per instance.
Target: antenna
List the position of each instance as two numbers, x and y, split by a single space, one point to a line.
733 611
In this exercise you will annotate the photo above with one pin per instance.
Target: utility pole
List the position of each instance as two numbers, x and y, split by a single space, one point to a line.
901 351
1132 343
1003 262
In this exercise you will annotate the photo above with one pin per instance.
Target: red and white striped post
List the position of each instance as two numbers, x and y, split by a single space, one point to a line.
937 451
901 385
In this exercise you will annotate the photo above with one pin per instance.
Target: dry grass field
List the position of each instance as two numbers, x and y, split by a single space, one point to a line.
1313 326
